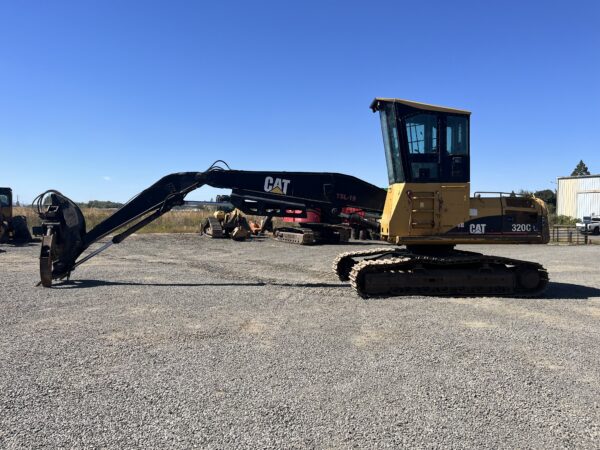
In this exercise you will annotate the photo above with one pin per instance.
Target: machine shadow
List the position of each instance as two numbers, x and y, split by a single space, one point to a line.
569 291
371 242
32 243
555 291
84 284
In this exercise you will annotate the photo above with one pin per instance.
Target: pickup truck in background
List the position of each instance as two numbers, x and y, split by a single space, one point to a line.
589 224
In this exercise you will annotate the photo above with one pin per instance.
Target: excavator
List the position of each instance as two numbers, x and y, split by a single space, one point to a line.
13 229
425 212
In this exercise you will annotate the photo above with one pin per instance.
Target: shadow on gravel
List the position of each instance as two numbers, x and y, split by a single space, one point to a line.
31 243
373 243
568 291
555 291
83 284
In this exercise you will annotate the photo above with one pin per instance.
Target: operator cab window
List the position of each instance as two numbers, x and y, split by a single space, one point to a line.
457 140
4 200
421 131
391 142
423 146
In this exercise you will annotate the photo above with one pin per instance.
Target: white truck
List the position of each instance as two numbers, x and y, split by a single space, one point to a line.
589 224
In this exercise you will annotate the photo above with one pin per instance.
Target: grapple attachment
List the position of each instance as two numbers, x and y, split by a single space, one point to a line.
63 228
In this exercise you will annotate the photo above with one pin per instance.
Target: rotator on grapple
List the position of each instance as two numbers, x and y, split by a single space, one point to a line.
427 208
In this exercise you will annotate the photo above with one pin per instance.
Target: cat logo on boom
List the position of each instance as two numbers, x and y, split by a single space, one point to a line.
477 228
276 185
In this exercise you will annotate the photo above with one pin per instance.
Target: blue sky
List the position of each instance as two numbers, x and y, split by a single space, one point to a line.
98 99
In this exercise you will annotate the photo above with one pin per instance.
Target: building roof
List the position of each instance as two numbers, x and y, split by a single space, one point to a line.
417 105
579 176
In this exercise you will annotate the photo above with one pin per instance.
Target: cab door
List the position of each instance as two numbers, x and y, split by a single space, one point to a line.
454 157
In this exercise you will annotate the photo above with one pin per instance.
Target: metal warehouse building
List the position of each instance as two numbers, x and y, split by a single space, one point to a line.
578 196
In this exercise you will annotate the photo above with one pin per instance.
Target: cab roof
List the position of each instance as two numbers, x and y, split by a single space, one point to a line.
375 106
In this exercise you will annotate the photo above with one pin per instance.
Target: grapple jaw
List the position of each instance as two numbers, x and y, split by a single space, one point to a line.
63 227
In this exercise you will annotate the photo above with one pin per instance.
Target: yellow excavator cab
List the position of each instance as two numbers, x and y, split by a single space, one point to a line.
429 202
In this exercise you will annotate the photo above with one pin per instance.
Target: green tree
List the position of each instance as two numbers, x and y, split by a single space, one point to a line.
548 195
580 170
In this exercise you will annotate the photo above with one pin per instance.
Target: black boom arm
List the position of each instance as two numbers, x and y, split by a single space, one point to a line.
253 192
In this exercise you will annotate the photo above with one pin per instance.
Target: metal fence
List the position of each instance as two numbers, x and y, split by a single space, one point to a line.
567 234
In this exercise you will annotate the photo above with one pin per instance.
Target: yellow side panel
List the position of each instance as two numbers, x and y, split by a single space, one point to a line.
485 207
424 209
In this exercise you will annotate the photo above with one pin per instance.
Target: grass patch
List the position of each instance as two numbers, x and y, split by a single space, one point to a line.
175 221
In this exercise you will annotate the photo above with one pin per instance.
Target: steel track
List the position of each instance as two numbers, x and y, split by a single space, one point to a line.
457 274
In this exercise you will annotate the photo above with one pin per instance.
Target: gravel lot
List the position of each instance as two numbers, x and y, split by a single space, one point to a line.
593 238
177 341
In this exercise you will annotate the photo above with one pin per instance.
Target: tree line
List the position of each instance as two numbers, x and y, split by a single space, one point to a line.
102 204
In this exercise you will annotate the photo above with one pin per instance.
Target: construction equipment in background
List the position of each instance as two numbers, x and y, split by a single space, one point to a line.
226 225
313 233
308 231
427 208
311 229
13 229
318 220
365 226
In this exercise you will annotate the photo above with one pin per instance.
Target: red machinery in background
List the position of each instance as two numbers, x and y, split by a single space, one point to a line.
362 226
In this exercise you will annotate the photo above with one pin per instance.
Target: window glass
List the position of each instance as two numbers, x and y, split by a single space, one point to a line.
457 139
391 141
421 132
4 200
424 171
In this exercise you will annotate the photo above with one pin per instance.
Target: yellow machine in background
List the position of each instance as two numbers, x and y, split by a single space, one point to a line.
429 209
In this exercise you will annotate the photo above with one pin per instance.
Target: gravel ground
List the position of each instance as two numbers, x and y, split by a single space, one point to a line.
594 239
179 341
